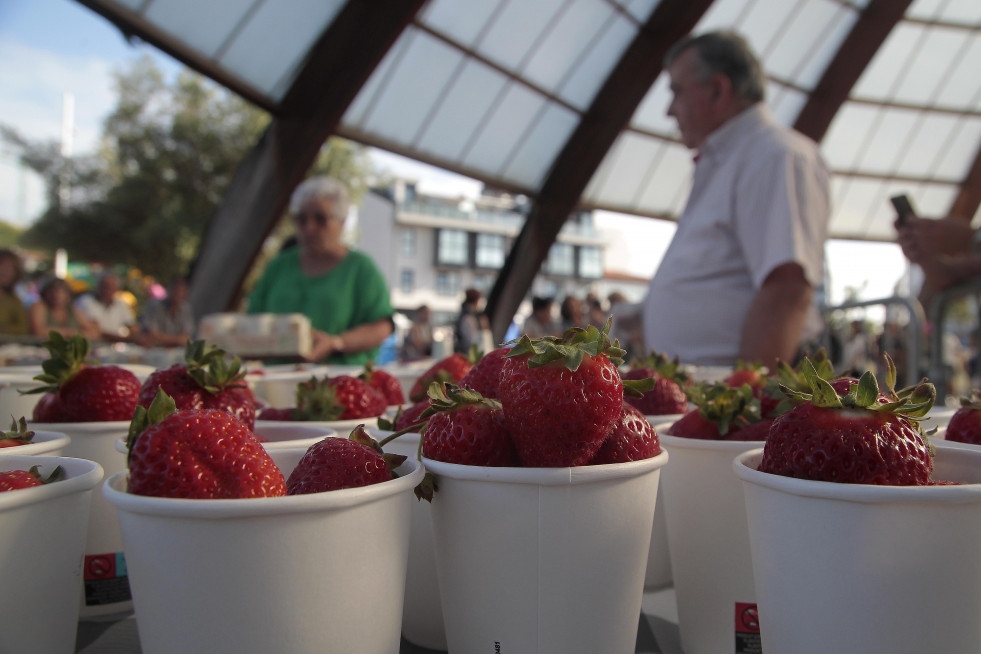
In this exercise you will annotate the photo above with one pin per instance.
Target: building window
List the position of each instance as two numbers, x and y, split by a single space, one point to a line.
561 259
483 283
451 248
408 242
590 262
490 251
447 283
407 282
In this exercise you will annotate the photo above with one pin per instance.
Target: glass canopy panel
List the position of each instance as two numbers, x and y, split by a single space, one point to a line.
861 207
929 145
517 30
461 111
666 191
204 26
358 111
133 5
624 169
960 151
250 55
841 146
785 102
652 112
567 41
961 88
882 77
641 9
464 20
955 11
507 124
804 47
412 90
540 147
926 72
885 142
587 76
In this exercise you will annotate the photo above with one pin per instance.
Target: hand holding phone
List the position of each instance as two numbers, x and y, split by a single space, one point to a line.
904 208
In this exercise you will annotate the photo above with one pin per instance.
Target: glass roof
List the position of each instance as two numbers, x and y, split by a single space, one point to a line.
493 89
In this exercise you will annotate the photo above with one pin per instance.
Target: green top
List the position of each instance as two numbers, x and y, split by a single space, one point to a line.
353 293
13 315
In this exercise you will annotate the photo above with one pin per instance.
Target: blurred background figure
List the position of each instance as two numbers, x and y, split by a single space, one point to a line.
470 322
541 322
56 311
947 250
595 314
169 321
113 316
13 315
419 341
571 313
339 289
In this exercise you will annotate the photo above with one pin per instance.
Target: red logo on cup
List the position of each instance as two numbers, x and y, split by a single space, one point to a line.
100 566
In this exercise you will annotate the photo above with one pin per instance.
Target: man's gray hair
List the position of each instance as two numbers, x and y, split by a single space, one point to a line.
321 188
727 53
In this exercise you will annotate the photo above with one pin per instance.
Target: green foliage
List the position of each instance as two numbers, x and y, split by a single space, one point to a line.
9 235
169 151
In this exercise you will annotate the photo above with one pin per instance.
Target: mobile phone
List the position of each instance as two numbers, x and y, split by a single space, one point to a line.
904 208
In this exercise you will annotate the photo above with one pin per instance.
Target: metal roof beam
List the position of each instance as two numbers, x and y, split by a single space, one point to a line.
856 51
609 113
309 113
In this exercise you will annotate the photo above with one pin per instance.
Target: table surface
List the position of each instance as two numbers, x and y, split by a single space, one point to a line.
657 631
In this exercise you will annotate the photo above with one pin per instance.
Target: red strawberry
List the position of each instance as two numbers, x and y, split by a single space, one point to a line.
358 399
562 396
18 479
485 376
206 380
410 416
668 395
632 439
197 454
722 412
272 413
85 392
335 463
385 383
746 373
965 424
757 431
855 438
450 369
19 434
467 429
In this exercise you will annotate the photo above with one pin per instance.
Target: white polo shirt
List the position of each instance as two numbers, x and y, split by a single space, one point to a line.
111 319
759 198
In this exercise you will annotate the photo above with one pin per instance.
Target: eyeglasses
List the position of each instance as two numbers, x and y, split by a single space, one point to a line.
319 218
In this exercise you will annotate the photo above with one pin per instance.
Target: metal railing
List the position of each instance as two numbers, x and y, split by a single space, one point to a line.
938 315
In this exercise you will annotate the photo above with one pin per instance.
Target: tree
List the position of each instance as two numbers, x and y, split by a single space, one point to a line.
168 152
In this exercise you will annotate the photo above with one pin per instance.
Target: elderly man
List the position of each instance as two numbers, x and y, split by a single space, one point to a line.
111 313
738 278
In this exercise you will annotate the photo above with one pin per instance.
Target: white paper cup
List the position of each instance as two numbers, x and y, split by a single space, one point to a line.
939 416
47 443
12 403
543 560
709 543
308 573
422 616
853 568
276 386
658 556
105 575
42 541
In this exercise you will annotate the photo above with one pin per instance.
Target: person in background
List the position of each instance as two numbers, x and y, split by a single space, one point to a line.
169 321
571 313
339 289
110 312
947 250
738 279
55 311
466 331
595 314
419 341
541 322
13 315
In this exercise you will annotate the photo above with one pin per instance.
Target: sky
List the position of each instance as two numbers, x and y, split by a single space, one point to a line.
50 48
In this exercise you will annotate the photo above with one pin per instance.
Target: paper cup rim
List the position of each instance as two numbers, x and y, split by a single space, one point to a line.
314 432
83 475
682 443
44 442
80 428
944 444
192 509
745 466
546 476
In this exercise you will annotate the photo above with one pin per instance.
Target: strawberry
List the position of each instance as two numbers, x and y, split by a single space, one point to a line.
774 401
197 454
385 383
272 413
466 428
562 396
722 412
668 395
853 438
18 479
746 373
354 398
632 439
19 434
410 416
206 380
76 391
335 463
965 424
450 369
485 376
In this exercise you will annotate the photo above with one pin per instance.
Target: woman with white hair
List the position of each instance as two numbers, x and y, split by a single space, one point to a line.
341 290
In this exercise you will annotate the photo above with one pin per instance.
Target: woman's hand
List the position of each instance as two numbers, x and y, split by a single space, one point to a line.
324 345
